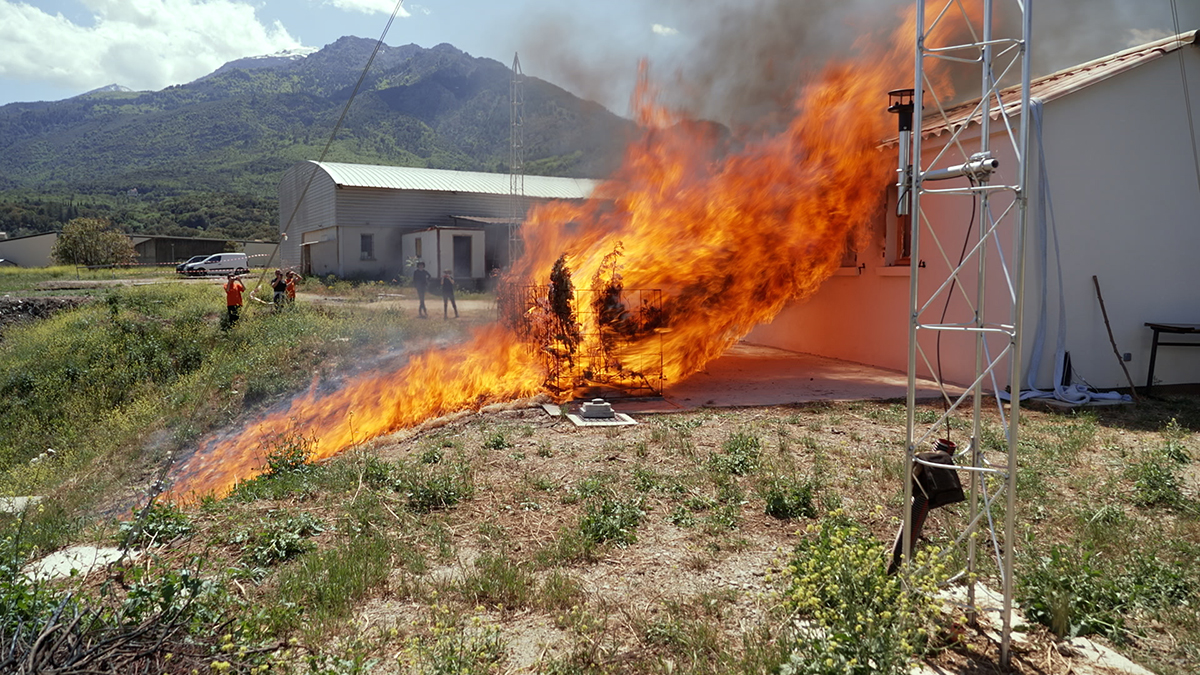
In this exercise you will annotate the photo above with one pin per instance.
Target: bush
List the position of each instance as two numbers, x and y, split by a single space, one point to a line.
1080 593
859 620
92 241
612 520
740 456
787 498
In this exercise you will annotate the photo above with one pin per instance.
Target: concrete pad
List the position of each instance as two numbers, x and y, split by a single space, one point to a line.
84 559
752 375
1098 655
17 504
617 420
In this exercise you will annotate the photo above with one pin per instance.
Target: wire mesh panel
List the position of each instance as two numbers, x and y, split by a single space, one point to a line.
586 338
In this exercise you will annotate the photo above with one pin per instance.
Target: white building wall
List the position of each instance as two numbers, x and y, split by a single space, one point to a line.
1124 189
446 249
1127 206
428 251
295 217
32 251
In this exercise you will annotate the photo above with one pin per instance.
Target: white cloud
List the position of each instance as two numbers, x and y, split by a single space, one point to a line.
368 6
1136 37
660 29
143 44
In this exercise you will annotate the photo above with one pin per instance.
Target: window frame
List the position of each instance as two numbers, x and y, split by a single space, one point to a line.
897 250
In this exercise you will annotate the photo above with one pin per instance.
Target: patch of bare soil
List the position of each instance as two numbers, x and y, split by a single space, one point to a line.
693 568
22 310
698 588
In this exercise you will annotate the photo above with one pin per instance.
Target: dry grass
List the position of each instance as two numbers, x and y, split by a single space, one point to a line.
697 588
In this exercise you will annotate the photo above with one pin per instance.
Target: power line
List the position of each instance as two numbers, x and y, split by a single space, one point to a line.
1187 96
332 135
159 484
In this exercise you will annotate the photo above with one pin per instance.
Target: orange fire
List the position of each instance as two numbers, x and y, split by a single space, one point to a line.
730 239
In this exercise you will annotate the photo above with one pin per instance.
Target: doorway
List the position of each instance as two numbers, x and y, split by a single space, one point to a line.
462 257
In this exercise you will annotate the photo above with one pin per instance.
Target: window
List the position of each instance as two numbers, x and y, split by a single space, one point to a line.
849 254
368 247
898 233
417 247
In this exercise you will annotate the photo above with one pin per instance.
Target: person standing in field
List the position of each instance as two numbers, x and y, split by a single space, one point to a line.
233 300
290 280
448 294
421 283
279 285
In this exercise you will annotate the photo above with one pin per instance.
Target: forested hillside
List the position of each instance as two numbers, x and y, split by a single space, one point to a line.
224 140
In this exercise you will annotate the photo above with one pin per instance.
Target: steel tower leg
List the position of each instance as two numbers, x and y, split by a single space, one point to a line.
993 310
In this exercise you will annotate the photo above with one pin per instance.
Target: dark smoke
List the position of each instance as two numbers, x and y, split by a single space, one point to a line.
739 61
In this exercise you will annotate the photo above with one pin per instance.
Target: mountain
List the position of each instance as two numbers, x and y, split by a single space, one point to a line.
106 89
237 129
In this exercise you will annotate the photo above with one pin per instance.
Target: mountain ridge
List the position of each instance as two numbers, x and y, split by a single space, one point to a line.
238 128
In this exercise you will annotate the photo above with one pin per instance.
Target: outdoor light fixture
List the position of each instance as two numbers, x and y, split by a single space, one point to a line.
900 101
978 168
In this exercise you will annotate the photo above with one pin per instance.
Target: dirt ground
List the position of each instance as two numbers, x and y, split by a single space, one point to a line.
523 502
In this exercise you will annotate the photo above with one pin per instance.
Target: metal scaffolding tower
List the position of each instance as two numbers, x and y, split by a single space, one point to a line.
1000 202
516 159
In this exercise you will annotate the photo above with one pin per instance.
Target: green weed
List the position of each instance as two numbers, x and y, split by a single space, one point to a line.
327 584
612 520
447 644
281 537
786 498
157 524
497 581
740 456
1080 592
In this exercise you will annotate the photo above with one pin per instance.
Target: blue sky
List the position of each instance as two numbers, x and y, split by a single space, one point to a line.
714 52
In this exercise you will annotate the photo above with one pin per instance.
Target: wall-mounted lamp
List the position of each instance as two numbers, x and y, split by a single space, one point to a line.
900 101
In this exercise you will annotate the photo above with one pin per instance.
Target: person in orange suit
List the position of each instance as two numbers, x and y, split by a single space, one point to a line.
233 300
291 279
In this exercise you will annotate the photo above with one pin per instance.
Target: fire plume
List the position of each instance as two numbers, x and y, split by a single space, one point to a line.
729 237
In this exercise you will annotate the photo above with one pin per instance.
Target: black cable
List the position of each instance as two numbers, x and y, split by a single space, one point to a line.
159 484
949 293
329 143
1187 97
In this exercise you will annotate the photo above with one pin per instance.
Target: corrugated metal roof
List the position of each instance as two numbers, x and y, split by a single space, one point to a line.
442 180
1060 84
488 220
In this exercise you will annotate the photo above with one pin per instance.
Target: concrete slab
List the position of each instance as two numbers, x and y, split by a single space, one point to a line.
751 375
17 504
617 420
83 559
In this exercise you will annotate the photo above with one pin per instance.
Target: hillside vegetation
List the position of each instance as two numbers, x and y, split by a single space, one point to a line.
229 136
705 541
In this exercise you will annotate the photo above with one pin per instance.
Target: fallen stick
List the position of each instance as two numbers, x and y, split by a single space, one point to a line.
1113 341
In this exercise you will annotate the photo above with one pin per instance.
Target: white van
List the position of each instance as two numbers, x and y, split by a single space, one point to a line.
220 263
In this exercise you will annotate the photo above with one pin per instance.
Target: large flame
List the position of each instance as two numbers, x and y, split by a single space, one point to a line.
730 238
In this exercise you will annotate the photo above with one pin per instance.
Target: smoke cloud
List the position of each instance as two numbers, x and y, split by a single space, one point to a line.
739 62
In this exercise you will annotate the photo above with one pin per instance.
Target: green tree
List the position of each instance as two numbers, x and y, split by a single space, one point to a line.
92 241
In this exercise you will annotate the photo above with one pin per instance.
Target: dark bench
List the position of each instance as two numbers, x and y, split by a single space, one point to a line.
1172 328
